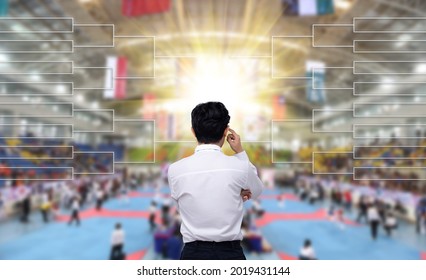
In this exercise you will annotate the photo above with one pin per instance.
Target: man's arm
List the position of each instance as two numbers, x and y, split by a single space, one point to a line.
169 179
254 184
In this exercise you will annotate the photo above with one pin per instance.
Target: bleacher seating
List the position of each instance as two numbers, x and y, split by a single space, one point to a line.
23 159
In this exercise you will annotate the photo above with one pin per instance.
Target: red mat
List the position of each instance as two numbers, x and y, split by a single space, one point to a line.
284 256
321 214
287 196
137 255
91 213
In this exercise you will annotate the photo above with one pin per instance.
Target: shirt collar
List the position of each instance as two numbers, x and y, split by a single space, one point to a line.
207 147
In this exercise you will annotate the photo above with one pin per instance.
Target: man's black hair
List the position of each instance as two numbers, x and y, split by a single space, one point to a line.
209 121
307 243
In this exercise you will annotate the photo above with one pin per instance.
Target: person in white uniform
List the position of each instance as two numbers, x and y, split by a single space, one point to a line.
374 219
117 243
210 188
307 251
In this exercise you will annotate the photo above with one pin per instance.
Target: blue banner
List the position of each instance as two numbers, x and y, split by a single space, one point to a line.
4 7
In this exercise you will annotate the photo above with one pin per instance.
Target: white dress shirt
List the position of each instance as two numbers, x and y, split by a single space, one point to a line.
373 214
117 237
207 187
307 252
75 206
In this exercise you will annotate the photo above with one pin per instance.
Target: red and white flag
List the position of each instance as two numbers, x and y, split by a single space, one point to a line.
132 8
118 65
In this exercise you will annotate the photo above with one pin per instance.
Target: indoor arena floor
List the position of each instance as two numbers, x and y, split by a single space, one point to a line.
284 225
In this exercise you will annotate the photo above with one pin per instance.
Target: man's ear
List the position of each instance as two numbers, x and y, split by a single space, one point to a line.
193 132
226 131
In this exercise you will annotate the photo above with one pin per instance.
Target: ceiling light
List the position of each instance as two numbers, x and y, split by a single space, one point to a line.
4 58
95 105
61 88
387 82
79 98
342 4
35 77
421 68
402 40
18 27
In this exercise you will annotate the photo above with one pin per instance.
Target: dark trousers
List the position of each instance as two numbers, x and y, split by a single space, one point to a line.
45 215
152 221
74 217
117 252
362 214
203 250
374 225
389 229
99 202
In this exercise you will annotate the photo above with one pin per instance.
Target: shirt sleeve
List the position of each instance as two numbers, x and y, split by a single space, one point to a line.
242 156
254 184
169 179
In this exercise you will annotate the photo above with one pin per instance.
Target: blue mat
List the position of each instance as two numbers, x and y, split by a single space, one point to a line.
332 243
90 241
133 204
290 206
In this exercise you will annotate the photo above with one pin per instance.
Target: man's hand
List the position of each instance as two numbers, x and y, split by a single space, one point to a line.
246 195
234 141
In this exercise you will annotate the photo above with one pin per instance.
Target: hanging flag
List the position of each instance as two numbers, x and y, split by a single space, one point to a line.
4 7
119 69
161 121
307 7
315 86
148 106
132 8
278 107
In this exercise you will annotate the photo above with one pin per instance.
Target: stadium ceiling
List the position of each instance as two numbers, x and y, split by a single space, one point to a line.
194 27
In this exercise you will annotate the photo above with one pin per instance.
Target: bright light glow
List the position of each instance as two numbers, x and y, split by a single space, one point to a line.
421 68
396 130
95 105
79 98
342 4
226 80
61 88
387 82
4 58
402 40
18 27
35 77
295 145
